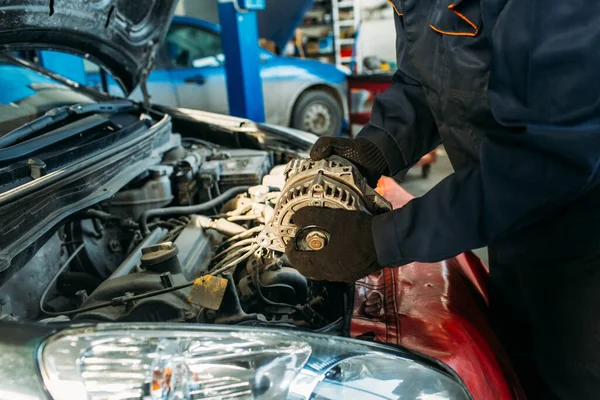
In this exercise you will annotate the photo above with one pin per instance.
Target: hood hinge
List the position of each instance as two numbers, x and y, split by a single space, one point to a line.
146 73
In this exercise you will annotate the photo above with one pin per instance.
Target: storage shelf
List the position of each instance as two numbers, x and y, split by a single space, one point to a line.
345 15
347 22
317 55
347 41
317 25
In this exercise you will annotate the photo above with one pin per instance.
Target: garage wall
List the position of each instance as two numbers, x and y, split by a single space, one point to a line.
205 9
377 36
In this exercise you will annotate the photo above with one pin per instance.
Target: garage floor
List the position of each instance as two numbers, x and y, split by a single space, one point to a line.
418 186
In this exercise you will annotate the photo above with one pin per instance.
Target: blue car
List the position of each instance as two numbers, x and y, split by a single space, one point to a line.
190 73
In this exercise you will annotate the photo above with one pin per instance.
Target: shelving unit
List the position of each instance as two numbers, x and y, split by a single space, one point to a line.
346 4
335 24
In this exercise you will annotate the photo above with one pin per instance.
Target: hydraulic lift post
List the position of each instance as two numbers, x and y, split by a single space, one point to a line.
239 35
67 65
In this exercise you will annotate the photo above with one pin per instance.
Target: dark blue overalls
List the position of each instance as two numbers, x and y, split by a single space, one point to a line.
512 90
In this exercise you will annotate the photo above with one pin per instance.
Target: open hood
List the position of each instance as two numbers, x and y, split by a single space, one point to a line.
121 35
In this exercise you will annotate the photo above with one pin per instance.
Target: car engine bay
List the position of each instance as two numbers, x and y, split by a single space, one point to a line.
148 253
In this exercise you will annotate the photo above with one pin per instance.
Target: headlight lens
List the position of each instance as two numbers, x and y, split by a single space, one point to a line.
174 362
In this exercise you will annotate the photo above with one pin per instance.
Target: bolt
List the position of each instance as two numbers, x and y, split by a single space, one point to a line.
316 240
81 296
211 315
114 246
188 315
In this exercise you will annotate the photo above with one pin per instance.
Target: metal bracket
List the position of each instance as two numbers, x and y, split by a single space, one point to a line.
146 73
37 168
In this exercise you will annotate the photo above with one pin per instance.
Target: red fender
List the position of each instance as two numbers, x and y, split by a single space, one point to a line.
439 310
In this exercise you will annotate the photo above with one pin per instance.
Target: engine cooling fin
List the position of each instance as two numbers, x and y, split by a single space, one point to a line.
331 183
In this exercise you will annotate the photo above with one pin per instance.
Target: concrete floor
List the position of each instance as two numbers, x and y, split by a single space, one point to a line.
418 186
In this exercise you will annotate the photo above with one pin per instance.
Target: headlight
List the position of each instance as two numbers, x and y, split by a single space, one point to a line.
173 362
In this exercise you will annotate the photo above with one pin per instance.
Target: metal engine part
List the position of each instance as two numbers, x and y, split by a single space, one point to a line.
237 167
330 183
103 250
172 306
279 282
161 270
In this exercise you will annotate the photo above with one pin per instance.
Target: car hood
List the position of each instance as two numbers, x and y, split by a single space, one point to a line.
121 35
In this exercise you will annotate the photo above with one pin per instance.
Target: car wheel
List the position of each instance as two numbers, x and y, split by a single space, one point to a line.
318 113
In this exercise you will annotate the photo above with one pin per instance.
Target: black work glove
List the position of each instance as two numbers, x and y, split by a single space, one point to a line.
361 152
350 253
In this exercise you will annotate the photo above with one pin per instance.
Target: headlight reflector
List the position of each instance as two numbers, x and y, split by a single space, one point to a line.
112 361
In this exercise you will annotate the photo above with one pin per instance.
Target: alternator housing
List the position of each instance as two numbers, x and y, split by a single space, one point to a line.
329 183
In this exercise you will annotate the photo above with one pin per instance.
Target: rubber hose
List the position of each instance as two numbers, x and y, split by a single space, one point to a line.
188 210
92 213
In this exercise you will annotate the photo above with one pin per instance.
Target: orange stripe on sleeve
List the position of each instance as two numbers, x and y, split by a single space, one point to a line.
395 9
464 18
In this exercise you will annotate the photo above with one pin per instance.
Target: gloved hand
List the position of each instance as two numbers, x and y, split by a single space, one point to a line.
350 253
361 152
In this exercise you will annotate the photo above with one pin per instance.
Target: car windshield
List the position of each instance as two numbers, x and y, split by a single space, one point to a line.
26 94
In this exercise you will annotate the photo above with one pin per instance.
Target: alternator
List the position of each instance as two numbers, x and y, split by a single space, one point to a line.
330 183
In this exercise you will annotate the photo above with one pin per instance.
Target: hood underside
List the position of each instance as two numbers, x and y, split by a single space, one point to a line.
121 35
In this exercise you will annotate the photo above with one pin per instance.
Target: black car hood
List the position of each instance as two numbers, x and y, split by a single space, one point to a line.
121 35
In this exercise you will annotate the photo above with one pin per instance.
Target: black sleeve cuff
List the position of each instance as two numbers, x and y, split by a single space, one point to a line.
385 142
386 240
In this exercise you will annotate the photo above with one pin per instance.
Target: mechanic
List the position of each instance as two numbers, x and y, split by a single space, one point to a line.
511 88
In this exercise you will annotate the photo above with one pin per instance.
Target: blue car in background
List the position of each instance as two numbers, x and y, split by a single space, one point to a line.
190 73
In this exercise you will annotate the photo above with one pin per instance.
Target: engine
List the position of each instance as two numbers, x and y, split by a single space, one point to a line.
180 243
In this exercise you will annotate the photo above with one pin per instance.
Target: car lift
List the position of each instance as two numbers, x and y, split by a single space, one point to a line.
67 65
239 36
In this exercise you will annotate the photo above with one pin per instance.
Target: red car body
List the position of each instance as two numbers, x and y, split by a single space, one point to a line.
439 310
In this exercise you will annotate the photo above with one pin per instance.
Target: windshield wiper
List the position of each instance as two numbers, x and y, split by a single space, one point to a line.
62 113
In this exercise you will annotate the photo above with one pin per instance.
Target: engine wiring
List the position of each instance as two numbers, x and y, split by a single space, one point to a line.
188 210
231 257
122 300
239 260
242 235
243 242
55 278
